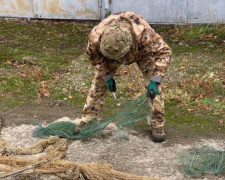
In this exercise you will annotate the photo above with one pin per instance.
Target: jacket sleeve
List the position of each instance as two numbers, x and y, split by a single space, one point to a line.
97 59
161 53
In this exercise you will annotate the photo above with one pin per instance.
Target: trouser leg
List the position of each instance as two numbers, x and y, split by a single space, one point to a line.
97 94
157 120
157 109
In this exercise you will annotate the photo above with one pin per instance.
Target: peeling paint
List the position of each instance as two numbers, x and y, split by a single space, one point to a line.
67 9
16 8
53 6
58 9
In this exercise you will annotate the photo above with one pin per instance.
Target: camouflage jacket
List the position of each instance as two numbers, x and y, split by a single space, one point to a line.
146 44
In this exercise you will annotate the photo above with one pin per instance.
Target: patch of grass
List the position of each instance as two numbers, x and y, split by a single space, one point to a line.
193 33
35 55
202 123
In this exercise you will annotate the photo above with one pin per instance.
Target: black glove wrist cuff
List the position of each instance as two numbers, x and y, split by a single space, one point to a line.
156 79
108 77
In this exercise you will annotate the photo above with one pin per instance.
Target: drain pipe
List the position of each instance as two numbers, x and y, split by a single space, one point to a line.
100 6
105 8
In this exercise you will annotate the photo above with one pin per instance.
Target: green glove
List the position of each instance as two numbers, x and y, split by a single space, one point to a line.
153 89
111 85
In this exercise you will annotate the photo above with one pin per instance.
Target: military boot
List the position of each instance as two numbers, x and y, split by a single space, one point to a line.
158 134
79 127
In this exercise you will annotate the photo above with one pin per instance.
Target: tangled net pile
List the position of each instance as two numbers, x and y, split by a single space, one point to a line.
132 112
55 151
203 159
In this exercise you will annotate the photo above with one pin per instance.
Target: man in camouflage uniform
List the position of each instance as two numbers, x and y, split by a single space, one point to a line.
125 38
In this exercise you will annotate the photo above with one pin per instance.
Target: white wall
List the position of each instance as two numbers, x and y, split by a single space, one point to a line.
51 9
155 11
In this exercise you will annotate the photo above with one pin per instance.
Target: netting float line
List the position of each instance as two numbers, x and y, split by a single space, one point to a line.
133 111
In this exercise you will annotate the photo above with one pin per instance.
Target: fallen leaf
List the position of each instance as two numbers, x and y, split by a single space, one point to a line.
209 36
131 84
43 83
84 91
47 94
183 67
9 62
221 121
22 74
22 65
70 97
189 110
181 85
175 100
164 86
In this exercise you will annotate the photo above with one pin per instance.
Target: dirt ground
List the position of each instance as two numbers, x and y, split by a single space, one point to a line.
133 153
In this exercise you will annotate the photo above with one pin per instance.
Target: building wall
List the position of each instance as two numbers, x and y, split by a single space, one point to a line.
156 12
160 11
51 9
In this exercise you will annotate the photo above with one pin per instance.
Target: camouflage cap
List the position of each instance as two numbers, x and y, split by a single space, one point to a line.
116 41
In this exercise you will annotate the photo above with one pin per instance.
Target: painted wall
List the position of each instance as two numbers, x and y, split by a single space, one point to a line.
155 11
16 8
174 11
51 9
160 11
210 11
67 9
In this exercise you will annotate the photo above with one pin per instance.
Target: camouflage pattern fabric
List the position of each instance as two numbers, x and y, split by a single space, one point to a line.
148 50
96 95
116 41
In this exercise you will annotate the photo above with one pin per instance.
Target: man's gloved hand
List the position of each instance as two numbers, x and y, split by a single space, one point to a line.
153 89
111 85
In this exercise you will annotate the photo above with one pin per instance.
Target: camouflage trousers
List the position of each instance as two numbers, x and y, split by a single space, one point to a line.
97 93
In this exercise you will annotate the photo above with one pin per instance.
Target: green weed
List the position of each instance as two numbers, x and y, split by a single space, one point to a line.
35 55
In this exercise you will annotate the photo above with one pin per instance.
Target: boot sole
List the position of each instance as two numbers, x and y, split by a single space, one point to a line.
158 139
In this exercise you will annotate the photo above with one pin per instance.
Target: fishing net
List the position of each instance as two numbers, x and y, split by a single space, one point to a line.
203 159
52 162
132 112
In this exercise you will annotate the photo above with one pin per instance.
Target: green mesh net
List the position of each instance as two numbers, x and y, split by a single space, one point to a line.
203 159
132 112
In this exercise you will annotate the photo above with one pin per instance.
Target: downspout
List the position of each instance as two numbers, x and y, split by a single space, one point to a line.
105 8
100 6
106 5
187 19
